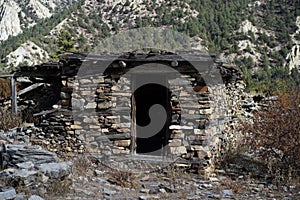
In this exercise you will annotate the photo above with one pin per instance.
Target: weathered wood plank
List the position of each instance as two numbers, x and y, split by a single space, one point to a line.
30 88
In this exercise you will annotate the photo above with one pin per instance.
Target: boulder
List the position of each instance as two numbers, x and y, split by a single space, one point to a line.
35 197
20 154
55 170
7 193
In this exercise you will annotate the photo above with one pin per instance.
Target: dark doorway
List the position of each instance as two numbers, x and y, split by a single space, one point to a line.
145 97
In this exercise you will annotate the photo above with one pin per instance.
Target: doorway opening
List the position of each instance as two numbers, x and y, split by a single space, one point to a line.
145 97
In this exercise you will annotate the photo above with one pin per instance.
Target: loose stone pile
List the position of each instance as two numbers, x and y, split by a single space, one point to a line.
58 132
28 167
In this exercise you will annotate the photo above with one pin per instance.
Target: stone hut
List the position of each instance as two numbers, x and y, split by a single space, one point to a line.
149 106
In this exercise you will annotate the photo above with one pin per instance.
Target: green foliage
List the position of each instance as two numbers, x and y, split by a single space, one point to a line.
281 17
127 3
297 36
269 79
65 41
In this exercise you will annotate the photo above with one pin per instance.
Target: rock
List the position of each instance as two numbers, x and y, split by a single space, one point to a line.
256 189
65 95
56 170
98 172
20 154
91 105
109 192
104 105
35 197
27 52
284 188
122 143
175 143
77 104
153 191
76 127
68 149
9 193
39 9
25 165
86 192
145 191
178 150
143 198
208 193
85 81
162 190
19 197
227 192
167 189
103 181
247 26
214 179
26 177
10 22
181 127
204 185
120 151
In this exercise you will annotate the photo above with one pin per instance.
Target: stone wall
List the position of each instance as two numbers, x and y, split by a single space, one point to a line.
95 115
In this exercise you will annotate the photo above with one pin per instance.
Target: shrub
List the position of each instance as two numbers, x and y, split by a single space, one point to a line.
274 134
8 119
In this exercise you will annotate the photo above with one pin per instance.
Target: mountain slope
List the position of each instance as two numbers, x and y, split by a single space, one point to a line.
261 37
16 15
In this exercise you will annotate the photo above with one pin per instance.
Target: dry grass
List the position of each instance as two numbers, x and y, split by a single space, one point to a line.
81 165
58 188
174 173
121 178
229 184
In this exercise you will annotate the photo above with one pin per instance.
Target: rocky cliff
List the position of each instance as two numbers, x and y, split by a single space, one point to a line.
16 15
9 19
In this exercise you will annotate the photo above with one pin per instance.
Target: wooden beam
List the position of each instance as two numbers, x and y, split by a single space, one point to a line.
5 75
44 113
28 89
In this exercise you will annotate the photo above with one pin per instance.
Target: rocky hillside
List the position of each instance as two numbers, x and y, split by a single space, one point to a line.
21 21
261 37
16 15
27 54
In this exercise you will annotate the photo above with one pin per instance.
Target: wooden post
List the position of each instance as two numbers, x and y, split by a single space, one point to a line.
13 91
133 118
